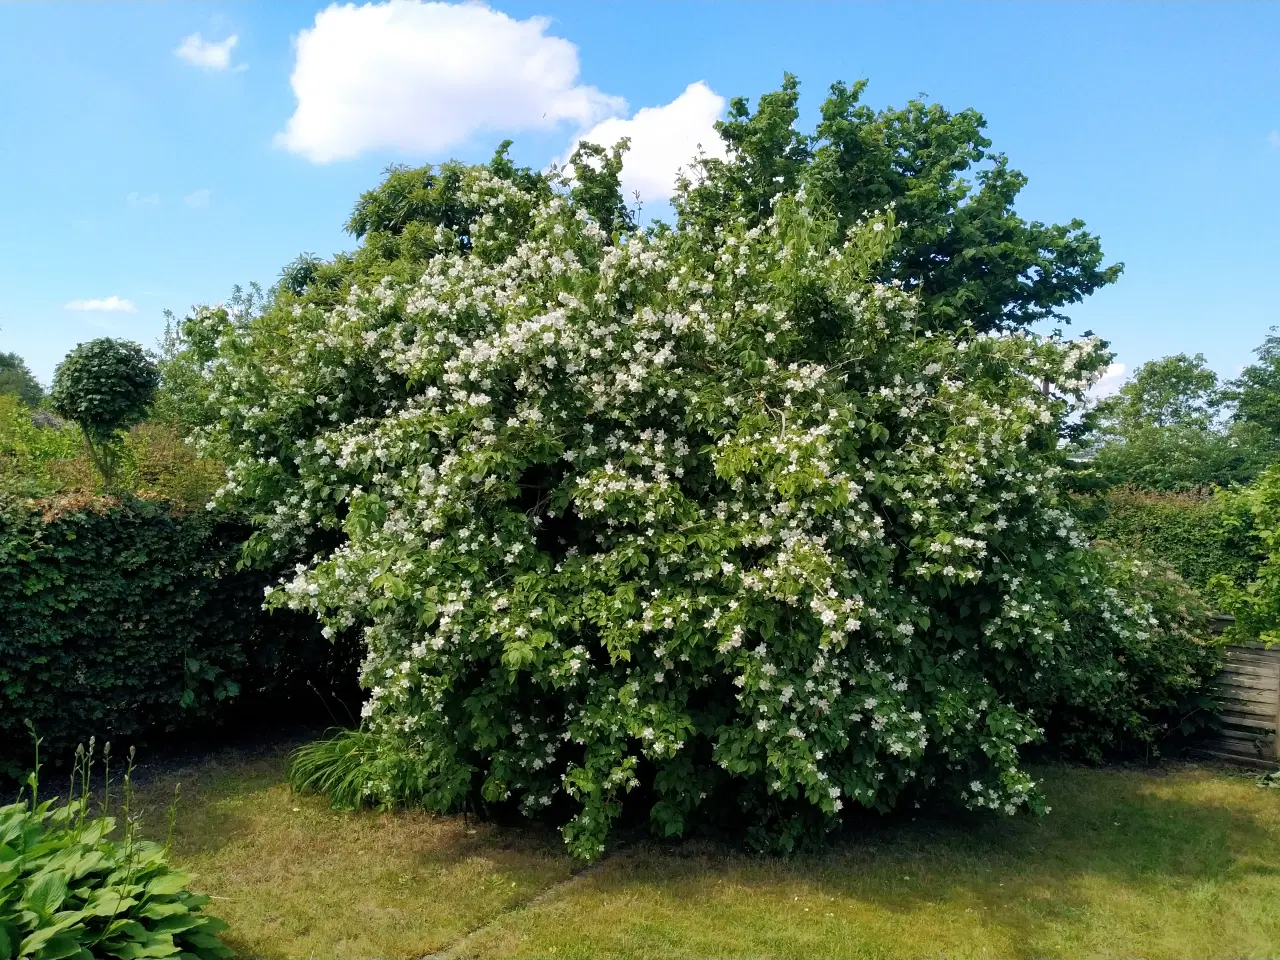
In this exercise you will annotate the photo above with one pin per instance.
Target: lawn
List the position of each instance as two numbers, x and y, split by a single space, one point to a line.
1174 861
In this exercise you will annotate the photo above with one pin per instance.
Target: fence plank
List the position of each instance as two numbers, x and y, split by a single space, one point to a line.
1261 671
1264 711
1249 684
1253 653
1261 747
1261 699
1231 677
1234 687
1261 725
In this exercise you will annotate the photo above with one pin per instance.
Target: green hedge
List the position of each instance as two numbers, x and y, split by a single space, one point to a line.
127 619
1197 533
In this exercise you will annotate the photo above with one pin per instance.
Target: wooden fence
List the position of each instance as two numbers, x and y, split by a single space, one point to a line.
1249 685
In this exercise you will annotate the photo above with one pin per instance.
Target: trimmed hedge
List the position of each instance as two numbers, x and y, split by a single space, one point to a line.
1197 533
127 619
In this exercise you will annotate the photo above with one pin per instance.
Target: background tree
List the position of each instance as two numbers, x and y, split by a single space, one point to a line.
18 380
104 386
597 186
1170 428
1182 458
1172 391
184 351
1256 392
962 248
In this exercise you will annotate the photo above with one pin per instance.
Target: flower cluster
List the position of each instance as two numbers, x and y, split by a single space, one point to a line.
706 510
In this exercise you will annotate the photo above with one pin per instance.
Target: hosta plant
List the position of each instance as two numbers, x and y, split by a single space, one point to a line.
707 517
75 886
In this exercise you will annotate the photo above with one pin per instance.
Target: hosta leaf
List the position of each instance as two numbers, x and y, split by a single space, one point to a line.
61 945
167 884
108 903
33 942
210 924
180 923
45 894
158 910
126 927
205 940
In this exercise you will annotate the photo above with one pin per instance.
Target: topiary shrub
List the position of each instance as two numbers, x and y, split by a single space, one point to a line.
706 516
127 619
104 386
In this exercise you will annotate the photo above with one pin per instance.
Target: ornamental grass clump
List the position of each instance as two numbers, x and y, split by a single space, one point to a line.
705 518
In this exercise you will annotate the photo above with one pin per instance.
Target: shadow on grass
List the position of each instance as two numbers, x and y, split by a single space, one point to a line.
226 796
1120 847
1125 854
294 878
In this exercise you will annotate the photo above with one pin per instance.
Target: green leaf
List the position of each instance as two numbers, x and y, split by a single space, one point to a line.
167 884
65 943
157 910
45 894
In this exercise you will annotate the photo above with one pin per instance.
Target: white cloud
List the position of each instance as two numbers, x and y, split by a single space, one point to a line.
206 54
419 78
198 198
1110 383
1273 138
143 199
111 304
663 140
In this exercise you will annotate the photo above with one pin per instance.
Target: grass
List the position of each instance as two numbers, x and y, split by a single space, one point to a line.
1176 861
296 879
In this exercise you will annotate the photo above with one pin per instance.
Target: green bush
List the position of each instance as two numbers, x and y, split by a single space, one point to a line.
32 455
42 456
1184 457
78 887
104 386
1253 596
126 618
1153 694
1199 534
708 518
155 463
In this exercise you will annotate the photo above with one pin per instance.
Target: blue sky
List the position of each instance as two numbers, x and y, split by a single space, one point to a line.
129 171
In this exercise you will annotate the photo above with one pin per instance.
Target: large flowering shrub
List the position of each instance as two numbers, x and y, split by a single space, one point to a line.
703 515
